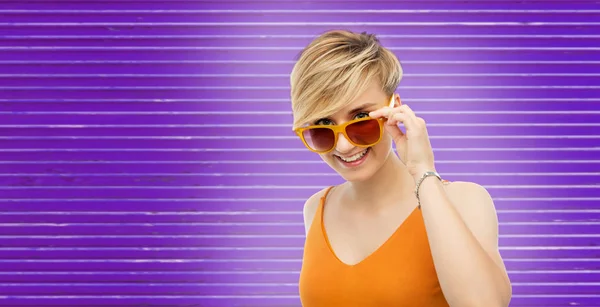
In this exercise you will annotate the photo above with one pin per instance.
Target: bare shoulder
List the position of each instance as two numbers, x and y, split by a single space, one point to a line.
310 208
476 207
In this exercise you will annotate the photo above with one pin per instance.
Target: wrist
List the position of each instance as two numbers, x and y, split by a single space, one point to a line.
421 171
421 181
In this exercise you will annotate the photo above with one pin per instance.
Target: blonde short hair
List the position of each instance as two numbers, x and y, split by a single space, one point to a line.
337 67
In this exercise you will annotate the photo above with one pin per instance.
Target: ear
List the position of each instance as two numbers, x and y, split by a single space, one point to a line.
397 101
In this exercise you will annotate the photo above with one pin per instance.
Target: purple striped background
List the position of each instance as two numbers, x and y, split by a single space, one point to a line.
147 159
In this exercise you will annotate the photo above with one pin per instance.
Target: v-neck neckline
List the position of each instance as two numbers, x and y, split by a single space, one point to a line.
370 255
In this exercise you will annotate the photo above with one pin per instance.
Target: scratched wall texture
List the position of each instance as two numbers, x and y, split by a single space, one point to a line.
147 158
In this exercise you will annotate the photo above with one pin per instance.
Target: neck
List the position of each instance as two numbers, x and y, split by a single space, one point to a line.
392 182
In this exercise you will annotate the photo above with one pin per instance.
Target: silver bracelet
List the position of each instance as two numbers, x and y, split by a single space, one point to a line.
425 175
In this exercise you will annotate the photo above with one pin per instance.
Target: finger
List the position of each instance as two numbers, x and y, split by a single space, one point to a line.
401 148
400 140
417 120
394 131
401 116
405 108
397 117
380 112
412 120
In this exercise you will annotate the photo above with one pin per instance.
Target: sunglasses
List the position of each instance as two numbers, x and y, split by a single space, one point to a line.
362 132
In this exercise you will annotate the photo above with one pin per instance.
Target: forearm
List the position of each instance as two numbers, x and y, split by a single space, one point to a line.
468 275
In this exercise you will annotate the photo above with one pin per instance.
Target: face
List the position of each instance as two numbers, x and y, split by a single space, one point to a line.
352 162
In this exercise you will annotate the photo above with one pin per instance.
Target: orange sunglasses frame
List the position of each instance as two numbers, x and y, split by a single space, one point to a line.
337 129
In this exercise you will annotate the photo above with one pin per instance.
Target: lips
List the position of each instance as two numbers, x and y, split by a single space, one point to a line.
355 157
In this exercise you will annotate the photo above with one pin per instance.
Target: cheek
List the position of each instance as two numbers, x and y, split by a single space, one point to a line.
386 141
326 157
330 160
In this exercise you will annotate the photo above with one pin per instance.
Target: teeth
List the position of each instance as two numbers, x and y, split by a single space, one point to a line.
355 157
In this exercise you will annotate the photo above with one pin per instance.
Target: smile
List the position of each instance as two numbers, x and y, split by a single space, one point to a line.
354 160
354 157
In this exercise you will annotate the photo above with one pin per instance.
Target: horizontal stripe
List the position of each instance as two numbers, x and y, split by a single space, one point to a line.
247 254
258 187
253 234
238 284
277 24
279 87
137 178
121 297
250 40
262 260
278 11
250 224
238 61
106 76
240 264
267 125
103 240
466 149
258 199
267 175
289 125
271 296
442 3
277 83
246 213
276 137
276 48
287 36
266 248
155 53
64 213
256 192
256 234
178 272
227 112
287 100
254 272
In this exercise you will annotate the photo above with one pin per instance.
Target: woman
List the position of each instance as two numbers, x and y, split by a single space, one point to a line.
395 233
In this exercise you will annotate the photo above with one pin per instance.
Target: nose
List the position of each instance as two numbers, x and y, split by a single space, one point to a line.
343 146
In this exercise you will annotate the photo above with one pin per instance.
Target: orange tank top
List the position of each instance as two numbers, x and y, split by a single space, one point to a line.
398 273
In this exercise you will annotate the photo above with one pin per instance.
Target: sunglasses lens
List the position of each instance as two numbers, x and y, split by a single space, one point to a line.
319 139
364 132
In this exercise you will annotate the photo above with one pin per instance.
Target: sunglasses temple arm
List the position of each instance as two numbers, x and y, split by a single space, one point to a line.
392 102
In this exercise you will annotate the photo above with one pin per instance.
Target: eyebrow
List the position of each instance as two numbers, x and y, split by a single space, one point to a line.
359 108
362 107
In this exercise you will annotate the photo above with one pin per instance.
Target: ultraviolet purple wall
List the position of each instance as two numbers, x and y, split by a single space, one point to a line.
147 156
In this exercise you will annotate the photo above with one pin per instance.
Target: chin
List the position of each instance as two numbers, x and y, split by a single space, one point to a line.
362 169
